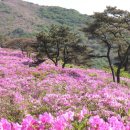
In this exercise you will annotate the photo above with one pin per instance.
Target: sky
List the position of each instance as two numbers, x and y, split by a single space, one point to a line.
85 6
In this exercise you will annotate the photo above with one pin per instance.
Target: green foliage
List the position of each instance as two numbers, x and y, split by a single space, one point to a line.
3 39
36 110
71 66
28 35
4 8
9 110
124 74
111 27
82 125
14 114
129 112
17 32
39 76
99 63
20 33
42 28
122 112
63 16
93 75
59 43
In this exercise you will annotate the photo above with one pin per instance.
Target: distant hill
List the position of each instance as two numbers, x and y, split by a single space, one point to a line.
20 18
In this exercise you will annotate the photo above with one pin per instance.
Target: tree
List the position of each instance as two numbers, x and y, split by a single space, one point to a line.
112 28
58 44
3 39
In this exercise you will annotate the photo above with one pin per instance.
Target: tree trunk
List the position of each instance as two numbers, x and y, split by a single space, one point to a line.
123 61
57 54
48 55
63 65
109 61
65 56
56 63
118 73
126 65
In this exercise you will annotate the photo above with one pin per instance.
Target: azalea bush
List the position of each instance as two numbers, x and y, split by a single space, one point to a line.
66 121
51 98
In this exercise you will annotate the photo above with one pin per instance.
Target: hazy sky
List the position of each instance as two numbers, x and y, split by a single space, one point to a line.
85 6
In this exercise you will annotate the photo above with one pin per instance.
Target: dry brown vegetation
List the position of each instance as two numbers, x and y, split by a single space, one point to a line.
24 44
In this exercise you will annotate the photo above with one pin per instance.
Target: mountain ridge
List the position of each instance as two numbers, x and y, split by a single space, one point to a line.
21 18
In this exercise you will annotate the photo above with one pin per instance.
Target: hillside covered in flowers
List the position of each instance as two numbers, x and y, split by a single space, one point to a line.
51 98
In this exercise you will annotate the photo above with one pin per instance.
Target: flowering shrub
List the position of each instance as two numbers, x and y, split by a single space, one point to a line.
66 121
52 98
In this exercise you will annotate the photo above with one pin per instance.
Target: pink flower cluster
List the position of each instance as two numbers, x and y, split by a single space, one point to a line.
67 95
96 123
48 122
